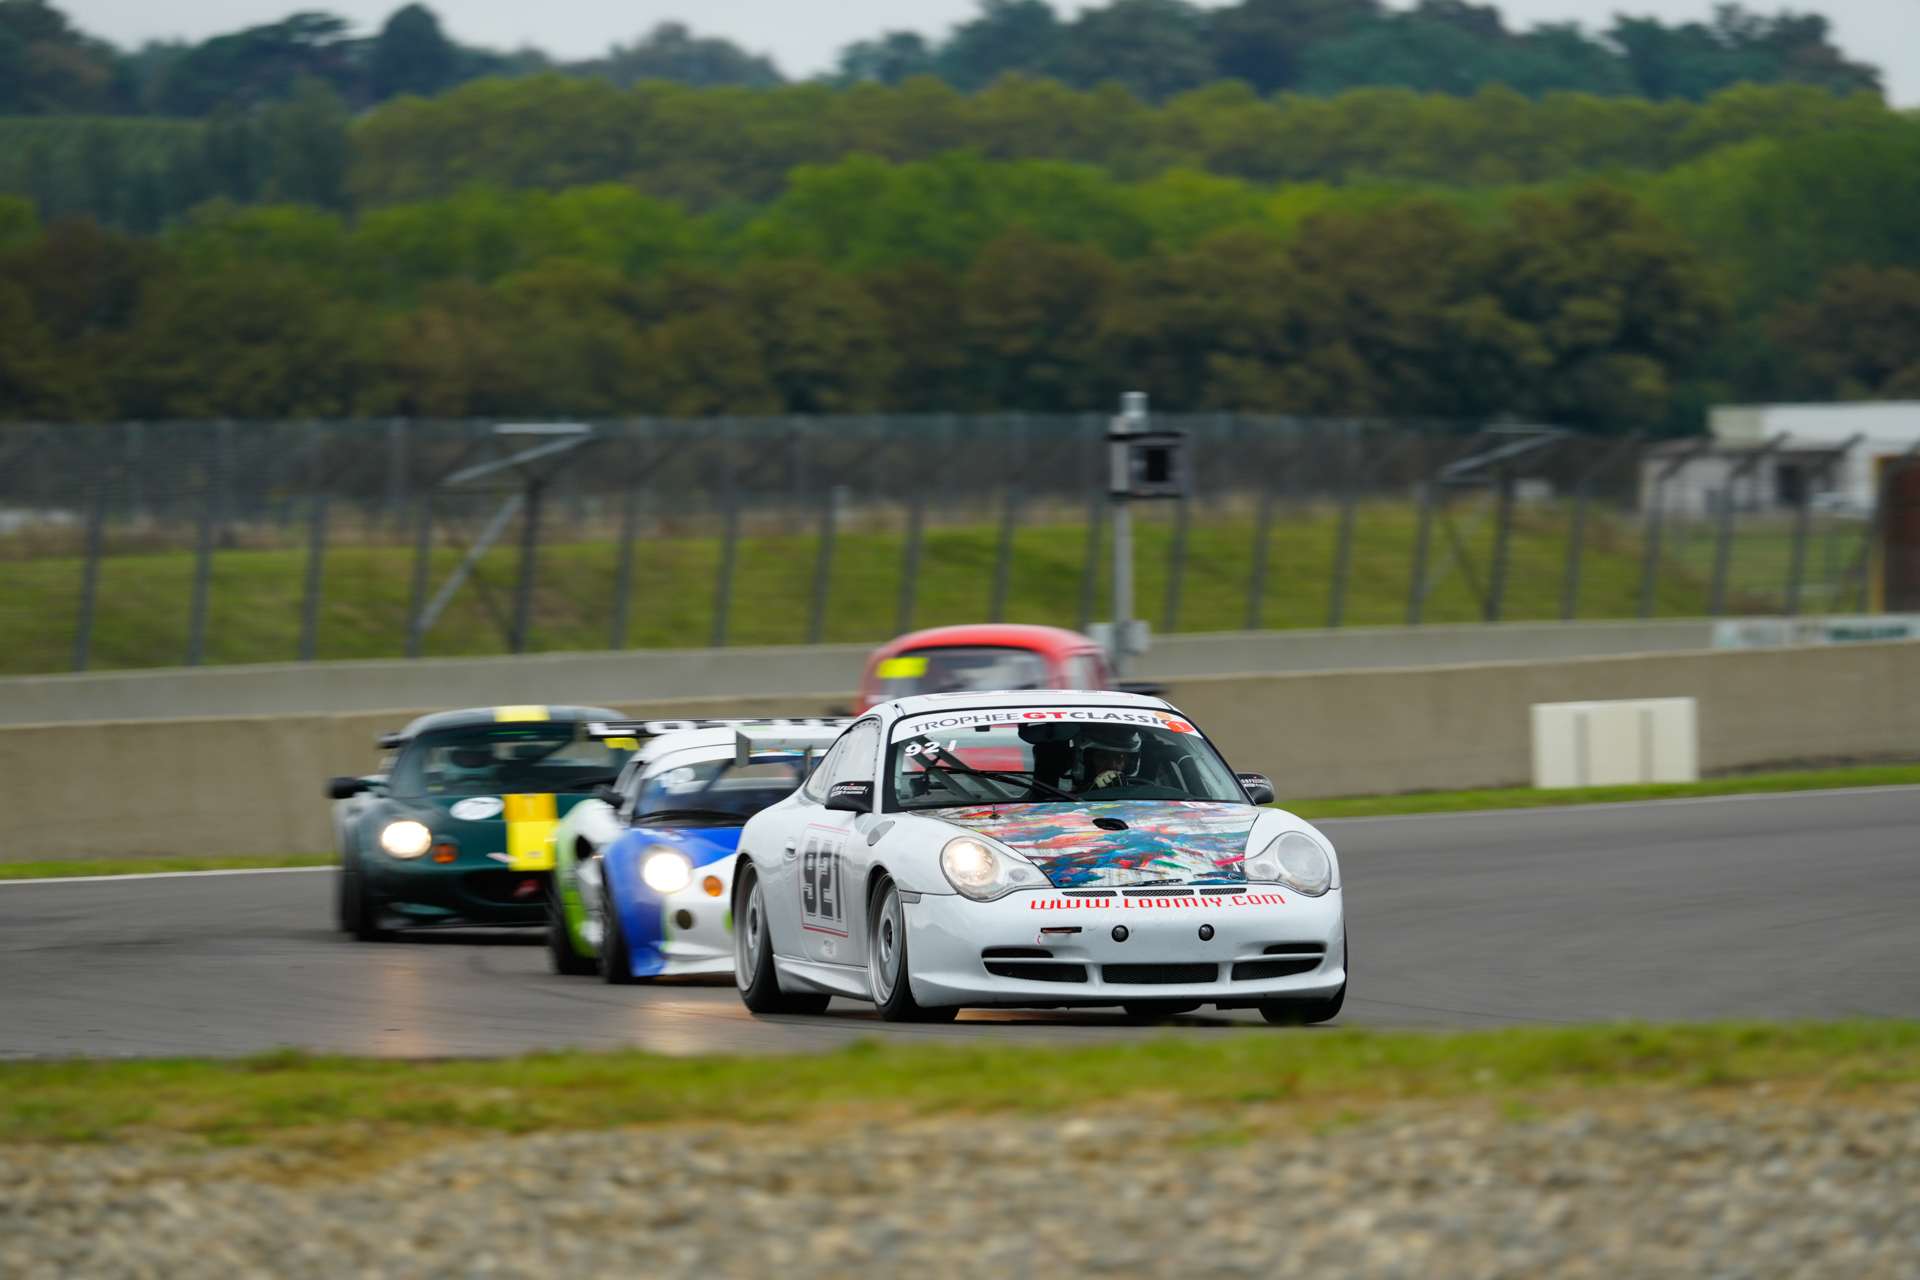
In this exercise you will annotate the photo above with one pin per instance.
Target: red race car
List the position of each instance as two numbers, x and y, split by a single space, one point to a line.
997 656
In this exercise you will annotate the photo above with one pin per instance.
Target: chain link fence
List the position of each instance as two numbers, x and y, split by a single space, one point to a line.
157 544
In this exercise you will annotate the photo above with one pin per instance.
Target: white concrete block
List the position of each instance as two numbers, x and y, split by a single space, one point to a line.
1610 744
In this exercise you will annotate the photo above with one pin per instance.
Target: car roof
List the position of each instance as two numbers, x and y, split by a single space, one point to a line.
921 704
495 715
1055 641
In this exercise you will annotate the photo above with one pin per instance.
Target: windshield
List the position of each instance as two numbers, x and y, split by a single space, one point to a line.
717 792
1059 757
505 759
959 669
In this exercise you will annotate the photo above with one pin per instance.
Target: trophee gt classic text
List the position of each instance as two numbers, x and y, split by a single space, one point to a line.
1040 849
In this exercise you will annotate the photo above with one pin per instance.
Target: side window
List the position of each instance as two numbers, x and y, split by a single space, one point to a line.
816 785
853 754
1083 672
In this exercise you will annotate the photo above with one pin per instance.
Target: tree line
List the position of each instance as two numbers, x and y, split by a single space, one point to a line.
713 148
1153 48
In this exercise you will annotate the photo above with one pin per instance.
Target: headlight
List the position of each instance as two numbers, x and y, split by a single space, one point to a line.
665 868
1296 861
406 839
983 873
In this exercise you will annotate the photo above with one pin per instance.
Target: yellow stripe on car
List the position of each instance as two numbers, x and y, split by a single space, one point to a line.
505 715
530 823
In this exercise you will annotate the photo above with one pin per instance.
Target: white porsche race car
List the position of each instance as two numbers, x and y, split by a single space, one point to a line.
1037 849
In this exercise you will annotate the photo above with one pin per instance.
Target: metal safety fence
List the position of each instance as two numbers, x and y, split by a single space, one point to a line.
156 544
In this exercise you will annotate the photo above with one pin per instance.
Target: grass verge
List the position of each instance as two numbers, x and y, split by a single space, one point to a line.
148 866
290 1096
1528 798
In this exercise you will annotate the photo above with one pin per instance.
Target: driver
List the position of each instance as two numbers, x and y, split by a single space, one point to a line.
1108 756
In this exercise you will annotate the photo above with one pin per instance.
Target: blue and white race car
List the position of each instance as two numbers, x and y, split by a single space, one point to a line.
643 872
1041 849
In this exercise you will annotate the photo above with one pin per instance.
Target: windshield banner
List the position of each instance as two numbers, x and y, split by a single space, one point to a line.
1012 716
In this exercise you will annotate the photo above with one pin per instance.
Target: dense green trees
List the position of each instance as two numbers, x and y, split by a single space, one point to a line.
1582 309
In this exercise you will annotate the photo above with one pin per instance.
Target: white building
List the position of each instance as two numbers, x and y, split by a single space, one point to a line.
1767 457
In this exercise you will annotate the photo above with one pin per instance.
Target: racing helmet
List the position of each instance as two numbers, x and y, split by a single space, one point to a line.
1117 739
467 761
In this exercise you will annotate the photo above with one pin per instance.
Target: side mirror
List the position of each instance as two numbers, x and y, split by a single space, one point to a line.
606 793
1258 786
346 788
850 797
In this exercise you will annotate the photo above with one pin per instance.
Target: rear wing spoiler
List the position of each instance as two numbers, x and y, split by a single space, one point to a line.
807 734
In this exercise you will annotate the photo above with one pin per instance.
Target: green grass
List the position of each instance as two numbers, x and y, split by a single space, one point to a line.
1889 775
358 1101
255 602
148 866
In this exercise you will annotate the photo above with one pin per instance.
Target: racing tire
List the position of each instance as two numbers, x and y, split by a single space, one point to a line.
888 969
560 950
359 914
616 962
753 970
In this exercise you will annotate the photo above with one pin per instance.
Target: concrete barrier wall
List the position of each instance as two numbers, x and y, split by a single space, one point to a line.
641 675
1442 728
252 784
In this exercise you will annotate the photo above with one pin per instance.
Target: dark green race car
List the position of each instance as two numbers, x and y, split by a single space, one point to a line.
459 830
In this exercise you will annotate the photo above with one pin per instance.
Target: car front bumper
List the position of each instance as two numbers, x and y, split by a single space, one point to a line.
1262 949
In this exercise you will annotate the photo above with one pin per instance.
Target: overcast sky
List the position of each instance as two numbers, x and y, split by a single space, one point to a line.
803 38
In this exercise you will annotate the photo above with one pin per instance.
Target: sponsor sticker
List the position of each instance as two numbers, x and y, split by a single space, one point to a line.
902 668
1010 717
476 808
1203 899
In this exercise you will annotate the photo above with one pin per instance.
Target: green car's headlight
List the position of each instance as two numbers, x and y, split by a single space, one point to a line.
406 838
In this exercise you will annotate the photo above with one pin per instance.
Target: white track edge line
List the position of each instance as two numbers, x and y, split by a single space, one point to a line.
164 875
1621 804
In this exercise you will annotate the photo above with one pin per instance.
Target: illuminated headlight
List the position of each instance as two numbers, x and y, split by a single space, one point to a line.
665 869
983 873
406 839
1296 861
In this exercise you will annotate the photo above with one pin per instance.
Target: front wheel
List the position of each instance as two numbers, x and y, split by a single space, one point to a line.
359 913
888 973
560 941
753 956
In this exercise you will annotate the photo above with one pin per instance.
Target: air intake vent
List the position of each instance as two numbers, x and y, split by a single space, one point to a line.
1088 893
1158 893
1034 971
1159 974
1294 949
1255 970
1016 953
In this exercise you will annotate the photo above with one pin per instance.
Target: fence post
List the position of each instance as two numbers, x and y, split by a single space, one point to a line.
1723 544
1176 566
623 588
1502 535
396 468
1422 545
822 569
1343 542
422 565
1003 555
1090 567
90 579
529 561
316 566
910 563
1257 574
723 585
202 564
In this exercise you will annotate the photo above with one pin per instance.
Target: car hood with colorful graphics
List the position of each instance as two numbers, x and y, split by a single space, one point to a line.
1162 841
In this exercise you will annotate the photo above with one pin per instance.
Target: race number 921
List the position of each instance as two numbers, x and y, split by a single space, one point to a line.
822 879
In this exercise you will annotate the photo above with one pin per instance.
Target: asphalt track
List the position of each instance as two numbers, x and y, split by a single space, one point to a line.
1782 906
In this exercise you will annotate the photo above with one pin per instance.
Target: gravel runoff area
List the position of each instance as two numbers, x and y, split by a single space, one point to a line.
1743 1181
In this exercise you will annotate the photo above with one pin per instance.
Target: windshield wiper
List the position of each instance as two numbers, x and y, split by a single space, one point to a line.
1032 779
